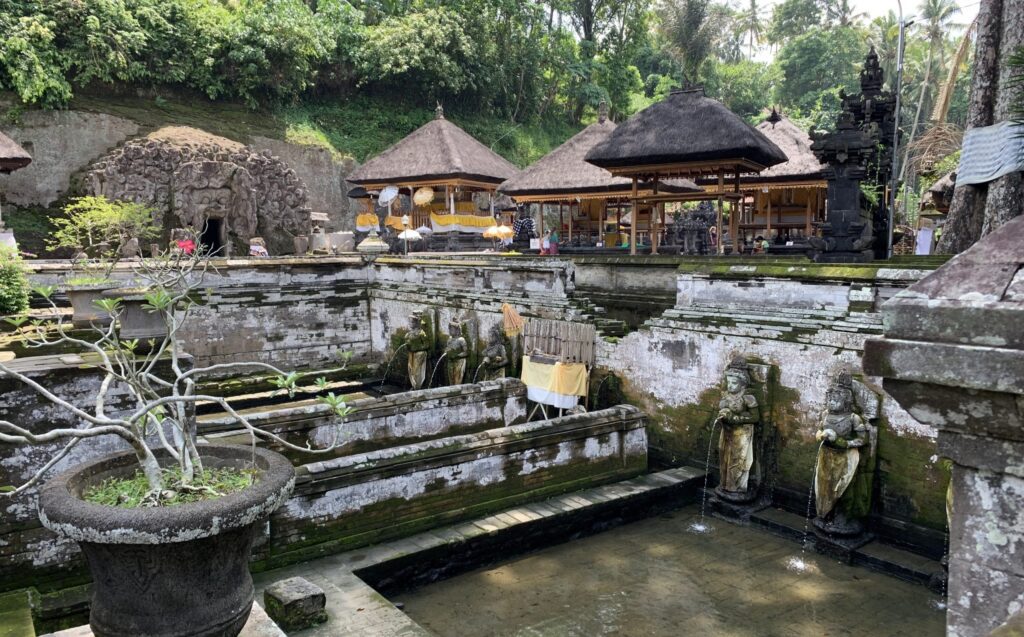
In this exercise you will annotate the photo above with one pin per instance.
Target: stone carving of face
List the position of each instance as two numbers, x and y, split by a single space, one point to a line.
734 382
455 330
838 401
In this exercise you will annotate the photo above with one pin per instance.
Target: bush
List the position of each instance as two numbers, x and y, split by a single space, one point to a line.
13 282
100 227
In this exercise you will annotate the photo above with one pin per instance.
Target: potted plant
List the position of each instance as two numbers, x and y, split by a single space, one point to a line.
167 525
97 230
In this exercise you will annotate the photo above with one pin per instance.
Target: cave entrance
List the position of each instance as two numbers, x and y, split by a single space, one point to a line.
213 236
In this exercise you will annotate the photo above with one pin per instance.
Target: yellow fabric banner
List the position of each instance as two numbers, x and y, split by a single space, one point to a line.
367 219
392 221
462 220
569 379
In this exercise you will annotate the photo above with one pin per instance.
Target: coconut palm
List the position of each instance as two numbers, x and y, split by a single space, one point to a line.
841 13
884 35
752 23
937 20
692 28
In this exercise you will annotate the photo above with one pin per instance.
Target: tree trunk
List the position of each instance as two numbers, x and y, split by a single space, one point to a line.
917 116
967 210
1006 194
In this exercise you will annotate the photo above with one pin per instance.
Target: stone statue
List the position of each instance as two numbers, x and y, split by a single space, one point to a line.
495 356
418 343
456 352
738 416
841 489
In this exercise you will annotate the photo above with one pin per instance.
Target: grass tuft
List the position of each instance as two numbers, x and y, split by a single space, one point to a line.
133 492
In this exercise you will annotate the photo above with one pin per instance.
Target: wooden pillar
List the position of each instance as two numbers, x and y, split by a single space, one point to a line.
810 212
768 232
618 221
540 219
561 220
720 245
635 217
570 219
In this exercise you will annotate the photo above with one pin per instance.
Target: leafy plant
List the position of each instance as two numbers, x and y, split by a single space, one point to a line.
100 227
13 282
160 401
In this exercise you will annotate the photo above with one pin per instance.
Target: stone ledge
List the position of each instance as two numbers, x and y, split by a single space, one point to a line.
259 625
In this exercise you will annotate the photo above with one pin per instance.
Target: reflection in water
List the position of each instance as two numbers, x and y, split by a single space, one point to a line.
653 578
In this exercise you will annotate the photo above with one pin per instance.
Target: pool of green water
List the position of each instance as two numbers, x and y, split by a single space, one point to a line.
654 578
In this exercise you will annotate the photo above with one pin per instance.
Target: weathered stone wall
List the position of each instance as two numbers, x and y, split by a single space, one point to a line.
388 421
629 289
294 313
324 175
61 143
362 499
807 321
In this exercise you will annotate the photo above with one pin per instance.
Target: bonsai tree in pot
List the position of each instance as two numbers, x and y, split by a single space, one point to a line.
98 230
166 526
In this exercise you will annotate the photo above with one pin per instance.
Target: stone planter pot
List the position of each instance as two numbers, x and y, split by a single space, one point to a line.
83 306
136 321
168 571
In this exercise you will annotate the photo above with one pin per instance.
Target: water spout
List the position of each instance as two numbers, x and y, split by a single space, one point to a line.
798 563
477 372
432 374
391 360
702 527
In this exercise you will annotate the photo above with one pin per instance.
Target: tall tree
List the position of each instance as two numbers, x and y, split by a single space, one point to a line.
691 28
978 209
841 13
884 35
791 18
752 22
938 16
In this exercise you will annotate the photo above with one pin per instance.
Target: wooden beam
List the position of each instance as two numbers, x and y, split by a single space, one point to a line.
687 169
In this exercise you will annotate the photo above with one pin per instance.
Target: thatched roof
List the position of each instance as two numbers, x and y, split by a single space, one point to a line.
686 127
940 195
795 142
563 171
12 156
438 150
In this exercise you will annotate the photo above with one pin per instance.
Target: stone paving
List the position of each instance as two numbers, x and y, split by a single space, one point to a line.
654 578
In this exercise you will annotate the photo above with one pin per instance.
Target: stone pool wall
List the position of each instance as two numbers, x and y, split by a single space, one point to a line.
808 322
386 421
362 499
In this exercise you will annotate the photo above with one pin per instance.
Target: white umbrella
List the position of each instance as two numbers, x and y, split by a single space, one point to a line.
409 235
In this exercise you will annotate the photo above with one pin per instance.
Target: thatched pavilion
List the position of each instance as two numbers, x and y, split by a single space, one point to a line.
686 135
12 156
785 200
595 201
441 157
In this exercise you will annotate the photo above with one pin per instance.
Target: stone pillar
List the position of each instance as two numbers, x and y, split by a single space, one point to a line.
953 357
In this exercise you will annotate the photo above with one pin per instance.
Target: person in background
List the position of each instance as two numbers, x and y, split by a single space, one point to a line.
545 244
554 242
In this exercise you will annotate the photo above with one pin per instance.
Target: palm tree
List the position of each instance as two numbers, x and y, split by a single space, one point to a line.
691 28
884 35
841 14
937 18
752 21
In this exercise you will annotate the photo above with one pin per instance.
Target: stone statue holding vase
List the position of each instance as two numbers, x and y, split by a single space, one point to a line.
456 351
842 485
418 343
738 417
495 355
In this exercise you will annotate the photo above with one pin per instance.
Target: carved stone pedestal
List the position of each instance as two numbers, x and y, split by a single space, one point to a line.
737 510
838 546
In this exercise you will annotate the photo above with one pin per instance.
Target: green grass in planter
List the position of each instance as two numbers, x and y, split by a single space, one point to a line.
130 493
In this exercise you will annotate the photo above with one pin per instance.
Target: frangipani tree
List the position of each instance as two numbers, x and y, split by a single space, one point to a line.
156 374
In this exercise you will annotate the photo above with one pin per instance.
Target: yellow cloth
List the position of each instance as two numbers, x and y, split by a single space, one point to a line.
462 220
569 379
367 219
392 221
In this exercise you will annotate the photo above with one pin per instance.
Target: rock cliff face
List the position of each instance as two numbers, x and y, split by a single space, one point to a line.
194 179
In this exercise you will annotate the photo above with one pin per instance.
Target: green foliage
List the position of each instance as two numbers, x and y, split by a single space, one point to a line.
745 87
134 492
13 282
99 226
818 61
791 18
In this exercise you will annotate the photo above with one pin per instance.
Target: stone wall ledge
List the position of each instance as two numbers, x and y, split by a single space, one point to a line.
450 450
972 367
